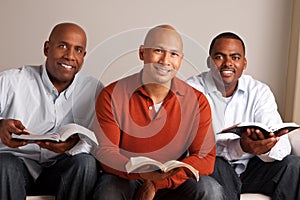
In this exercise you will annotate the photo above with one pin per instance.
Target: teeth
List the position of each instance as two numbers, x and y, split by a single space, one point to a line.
67 66
227 72
163 69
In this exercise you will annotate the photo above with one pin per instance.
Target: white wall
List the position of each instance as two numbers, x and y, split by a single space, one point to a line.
264 25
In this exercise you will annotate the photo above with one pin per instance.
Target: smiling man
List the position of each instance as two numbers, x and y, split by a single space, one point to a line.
251 163
153 113
42 99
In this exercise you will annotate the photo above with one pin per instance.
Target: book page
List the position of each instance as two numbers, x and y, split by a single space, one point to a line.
62 134
173 164
69 129
135 163
53 137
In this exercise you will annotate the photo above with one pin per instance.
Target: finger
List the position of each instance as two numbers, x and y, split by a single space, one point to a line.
259 134
282 132
19 125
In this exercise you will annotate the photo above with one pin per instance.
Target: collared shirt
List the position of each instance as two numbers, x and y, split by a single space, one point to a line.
28 95
252 101
130 126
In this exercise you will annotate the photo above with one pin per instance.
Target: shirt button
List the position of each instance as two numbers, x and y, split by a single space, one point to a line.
150 107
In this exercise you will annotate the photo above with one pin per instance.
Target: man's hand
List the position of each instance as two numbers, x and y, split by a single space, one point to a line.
253 141
9 126
59 147
146 191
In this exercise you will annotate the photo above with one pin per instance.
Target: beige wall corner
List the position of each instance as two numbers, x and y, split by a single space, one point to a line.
292 106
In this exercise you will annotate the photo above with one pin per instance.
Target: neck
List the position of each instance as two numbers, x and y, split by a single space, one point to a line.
226 90
157 92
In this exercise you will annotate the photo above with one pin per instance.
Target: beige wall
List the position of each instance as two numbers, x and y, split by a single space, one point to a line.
292 106
264 24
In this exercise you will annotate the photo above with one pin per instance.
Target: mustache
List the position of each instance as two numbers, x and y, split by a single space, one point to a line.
228 68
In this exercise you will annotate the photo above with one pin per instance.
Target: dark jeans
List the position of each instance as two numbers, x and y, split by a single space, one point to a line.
111 187
70 178
278 179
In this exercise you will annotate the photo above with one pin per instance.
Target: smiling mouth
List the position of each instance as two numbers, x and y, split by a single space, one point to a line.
227 71
66 66
162 70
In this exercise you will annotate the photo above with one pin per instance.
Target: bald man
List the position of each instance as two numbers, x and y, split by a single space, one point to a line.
42 99
152 113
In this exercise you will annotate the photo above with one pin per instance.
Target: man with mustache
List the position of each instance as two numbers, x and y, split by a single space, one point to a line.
42 99
251 163
153 113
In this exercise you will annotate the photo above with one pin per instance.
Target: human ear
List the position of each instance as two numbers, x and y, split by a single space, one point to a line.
46 48
141 52
245 63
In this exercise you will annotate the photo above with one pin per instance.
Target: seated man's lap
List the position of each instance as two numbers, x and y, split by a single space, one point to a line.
265 177
80 169
110 186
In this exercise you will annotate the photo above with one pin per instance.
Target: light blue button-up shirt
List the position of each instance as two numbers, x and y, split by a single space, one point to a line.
28 95
252 101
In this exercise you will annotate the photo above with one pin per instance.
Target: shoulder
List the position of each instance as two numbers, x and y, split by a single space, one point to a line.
251 84
126 84
188 91
199 81
24 73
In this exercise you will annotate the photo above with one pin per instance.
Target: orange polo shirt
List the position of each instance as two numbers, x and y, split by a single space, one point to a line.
130 126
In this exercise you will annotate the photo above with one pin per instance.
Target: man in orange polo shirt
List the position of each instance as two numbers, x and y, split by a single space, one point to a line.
155 114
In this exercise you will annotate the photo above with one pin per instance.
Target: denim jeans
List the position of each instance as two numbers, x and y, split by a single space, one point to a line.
111 187
71 177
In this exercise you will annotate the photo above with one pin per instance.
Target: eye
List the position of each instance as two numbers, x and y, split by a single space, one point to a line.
175 54
158 50
79 50
236 57
62 46
218 57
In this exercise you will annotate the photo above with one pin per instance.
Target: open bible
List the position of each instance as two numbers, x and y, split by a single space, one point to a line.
266 130
62 134
135 163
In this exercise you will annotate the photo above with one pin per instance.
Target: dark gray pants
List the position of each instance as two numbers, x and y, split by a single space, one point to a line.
278 179
71 177
111 187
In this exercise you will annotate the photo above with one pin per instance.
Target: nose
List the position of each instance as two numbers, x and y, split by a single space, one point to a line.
165 58
227 62
70 54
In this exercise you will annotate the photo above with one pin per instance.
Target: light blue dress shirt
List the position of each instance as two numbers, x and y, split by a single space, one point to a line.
28 95
252 101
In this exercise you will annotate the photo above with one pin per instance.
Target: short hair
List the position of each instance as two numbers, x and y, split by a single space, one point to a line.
228 35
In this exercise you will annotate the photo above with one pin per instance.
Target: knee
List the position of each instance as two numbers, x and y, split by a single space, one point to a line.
86 165
210 188
84 161
291 162
110 186
10 162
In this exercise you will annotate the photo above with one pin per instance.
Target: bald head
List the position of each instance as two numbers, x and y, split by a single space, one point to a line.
162 34
59 29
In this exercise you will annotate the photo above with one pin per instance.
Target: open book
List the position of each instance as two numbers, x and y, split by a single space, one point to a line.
266 130
62 134
135 163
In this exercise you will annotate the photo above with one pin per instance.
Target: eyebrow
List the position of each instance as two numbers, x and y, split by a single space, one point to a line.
163 48
223 54
66 43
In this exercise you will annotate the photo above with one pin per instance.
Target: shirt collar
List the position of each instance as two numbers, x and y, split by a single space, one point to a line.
50 87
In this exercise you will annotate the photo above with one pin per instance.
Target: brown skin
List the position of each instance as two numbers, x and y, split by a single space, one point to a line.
65 51
162 56
230 62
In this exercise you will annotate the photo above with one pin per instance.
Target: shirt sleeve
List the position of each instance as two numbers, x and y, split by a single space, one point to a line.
266 112
108 134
